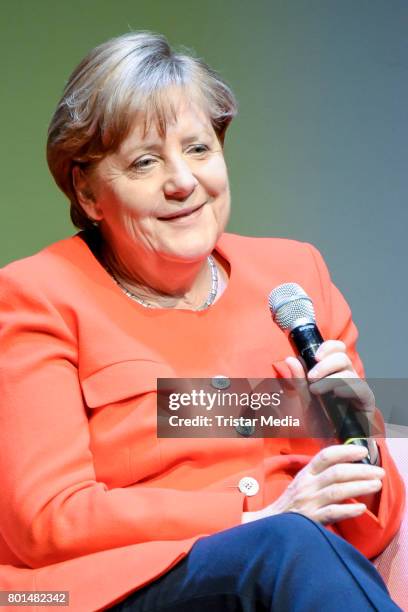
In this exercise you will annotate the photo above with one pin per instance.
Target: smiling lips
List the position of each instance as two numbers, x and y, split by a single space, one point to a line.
185 212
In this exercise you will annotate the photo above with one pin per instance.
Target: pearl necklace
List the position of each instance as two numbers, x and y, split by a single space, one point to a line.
210 298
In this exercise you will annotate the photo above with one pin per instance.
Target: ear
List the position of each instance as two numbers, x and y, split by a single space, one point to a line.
84 193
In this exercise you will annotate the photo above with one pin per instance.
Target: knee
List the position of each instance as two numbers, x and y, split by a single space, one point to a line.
269 540
290 526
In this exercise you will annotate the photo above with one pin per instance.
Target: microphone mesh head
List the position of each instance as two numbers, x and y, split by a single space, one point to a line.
291 306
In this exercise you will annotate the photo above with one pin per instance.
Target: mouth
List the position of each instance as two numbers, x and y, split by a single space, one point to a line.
185 212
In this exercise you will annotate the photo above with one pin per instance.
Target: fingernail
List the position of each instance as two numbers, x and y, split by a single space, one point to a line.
318 353
362 450
314 372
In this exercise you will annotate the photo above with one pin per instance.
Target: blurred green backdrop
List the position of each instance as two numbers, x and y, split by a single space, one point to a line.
317 153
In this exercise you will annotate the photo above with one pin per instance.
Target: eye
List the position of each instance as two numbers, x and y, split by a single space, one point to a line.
144 164
198 149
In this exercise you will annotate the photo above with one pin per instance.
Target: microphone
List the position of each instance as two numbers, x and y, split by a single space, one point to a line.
292 309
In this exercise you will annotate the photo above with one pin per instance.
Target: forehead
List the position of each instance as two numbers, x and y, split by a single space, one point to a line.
173 114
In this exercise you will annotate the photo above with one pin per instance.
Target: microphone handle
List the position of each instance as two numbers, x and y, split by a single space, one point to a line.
306 340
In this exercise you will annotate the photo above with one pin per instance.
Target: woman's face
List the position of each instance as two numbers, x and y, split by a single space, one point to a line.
164 196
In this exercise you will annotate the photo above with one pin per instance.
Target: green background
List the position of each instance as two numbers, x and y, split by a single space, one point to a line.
317 153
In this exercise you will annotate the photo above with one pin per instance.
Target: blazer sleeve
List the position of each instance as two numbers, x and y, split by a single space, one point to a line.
51 505
369 532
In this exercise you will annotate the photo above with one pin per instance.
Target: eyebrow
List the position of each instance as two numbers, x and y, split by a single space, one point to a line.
155 145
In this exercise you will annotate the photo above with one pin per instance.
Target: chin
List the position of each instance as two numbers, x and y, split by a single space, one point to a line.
191 251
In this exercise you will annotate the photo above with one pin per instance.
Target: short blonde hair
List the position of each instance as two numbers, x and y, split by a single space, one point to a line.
119 78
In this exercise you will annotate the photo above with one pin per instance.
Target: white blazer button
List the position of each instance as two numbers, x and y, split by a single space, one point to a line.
249 486
220 382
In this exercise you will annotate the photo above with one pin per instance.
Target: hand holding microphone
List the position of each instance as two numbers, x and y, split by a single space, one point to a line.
337 473
332 366
348 406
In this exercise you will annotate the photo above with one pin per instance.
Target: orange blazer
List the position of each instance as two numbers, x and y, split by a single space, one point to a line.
91 500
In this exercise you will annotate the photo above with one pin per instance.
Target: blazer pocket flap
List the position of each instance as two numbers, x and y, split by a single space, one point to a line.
123 380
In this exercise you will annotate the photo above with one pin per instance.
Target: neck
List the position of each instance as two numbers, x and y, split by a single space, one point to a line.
164 283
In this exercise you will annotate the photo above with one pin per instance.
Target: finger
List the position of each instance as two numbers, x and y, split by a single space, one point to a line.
337 453
298 380
338 512
354 389
339 492
334 384
296 368
347 472
331 364
357 390
328 347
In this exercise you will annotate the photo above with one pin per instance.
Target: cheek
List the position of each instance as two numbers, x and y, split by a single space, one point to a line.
216 177
122 205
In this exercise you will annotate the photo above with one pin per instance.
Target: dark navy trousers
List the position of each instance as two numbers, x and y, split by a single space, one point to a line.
284 563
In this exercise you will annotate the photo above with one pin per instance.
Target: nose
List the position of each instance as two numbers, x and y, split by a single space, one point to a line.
180 182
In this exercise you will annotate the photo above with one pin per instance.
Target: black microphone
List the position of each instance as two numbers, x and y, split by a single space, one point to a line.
292 309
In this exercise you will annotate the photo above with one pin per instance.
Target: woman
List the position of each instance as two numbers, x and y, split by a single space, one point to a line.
94 503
